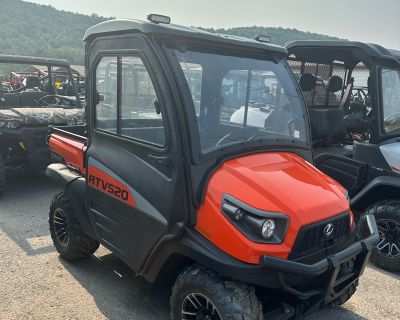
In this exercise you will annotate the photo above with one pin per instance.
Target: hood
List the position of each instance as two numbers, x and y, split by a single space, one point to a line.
46 116
280 182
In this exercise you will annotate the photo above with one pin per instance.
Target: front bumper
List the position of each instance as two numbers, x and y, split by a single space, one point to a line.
335 281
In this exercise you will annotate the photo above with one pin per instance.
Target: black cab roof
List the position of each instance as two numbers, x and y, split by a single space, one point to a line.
118 26
333 48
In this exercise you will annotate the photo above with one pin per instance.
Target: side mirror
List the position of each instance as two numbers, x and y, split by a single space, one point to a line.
307 82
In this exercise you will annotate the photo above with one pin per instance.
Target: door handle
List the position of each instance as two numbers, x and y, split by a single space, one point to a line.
161 160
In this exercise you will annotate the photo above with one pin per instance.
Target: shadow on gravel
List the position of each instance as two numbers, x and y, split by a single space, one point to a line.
120 295
118 292
395 275
24 211
335 314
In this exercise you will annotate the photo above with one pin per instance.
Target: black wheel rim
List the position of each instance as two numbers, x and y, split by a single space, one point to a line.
60 227
389 234
197 306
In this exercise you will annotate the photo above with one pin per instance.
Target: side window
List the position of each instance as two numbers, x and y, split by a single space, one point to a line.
140 109
128 105
106 87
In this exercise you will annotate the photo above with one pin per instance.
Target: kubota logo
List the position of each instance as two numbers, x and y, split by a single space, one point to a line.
108 187
328 230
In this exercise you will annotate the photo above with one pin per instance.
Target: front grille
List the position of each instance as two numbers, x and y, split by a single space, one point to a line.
312 238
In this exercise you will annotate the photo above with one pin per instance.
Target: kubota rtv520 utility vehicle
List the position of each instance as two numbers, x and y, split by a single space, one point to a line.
170 178
352 92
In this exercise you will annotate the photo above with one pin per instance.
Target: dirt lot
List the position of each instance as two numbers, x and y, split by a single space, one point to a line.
36 284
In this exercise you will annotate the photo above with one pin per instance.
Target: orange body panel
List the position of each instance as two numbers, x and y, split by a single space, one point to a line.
71 150
271 181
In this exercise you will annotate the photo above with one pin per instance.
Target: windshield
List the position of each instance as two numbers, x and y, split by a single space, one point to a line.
391 99
34 85
239 99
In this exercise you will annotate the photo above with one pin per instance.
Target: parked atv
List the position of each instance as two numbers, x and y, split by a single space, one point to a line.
352 91
27 110
167 181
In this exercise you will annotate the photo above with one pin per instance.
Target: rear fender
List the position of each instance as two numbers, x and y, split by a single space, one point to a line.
75 189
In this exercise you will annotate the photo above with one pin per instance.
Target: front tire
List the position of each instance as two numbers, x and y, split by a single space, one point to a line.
68 237
386 254
3 180
199 294
346 296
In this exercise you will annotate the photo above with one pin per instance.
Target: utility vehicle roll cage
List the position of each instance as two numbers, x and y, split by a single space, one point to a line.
122 34
49 62
327 57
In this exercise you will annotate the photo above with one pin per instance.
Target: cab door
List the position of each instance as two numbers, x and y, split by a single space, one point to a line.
136 193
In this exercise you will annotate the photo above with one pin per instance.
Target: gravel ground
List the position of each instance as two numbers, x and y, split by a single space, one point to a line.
36 284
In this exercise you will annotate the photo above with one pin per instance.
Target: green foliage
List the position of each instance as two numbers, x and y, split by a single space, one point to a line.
38 30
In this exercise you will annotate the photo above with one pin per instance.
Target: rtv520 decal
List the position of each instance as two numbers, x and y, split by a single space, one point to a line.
104 182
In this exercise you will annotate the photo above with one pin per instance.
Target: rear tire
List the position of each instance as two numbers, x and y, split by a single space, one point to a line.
68 237
199 293
3 180
386 254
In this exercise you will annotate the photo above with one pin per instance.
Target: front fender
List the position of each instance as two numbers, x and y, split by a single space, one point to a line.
380 188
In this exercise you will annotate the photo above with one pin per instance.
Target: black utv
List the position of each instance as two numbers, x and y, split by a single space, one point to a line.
29 103
352 91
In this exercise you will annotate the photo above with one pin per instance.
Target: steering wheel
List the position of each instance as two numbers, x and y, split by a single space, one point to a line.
239 134
57 99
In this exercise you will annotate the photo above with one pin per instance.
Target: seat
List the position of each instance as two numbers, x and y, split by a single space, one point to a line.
327 125
31 98
32 82
11 100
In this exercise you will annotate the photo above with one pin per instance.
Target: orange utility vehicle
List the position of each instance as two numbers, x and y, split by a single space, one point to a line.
168 175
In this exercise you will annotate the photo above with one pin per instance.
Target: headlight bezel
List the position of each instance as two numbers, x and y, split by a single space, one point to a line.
249 221
10 124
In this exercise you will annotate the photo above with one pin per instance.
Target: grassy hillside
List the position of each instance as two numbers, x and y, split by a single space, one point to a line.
32 29
38 30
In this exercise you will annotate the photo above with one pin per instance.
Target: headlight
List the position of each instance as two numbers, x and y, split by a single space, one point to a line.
10 124
268 228
257 225
71 122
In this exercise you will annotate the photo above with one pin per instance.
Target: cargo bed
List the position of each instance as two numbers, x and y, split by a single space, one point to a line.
68 145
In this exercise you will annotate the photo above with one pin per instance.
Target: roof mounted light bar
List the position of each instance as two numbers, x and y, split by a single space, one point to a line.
158 18
262 38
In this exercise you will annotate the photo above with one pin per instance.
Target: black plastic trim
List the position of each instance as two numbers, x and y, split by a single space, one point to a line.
315 269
